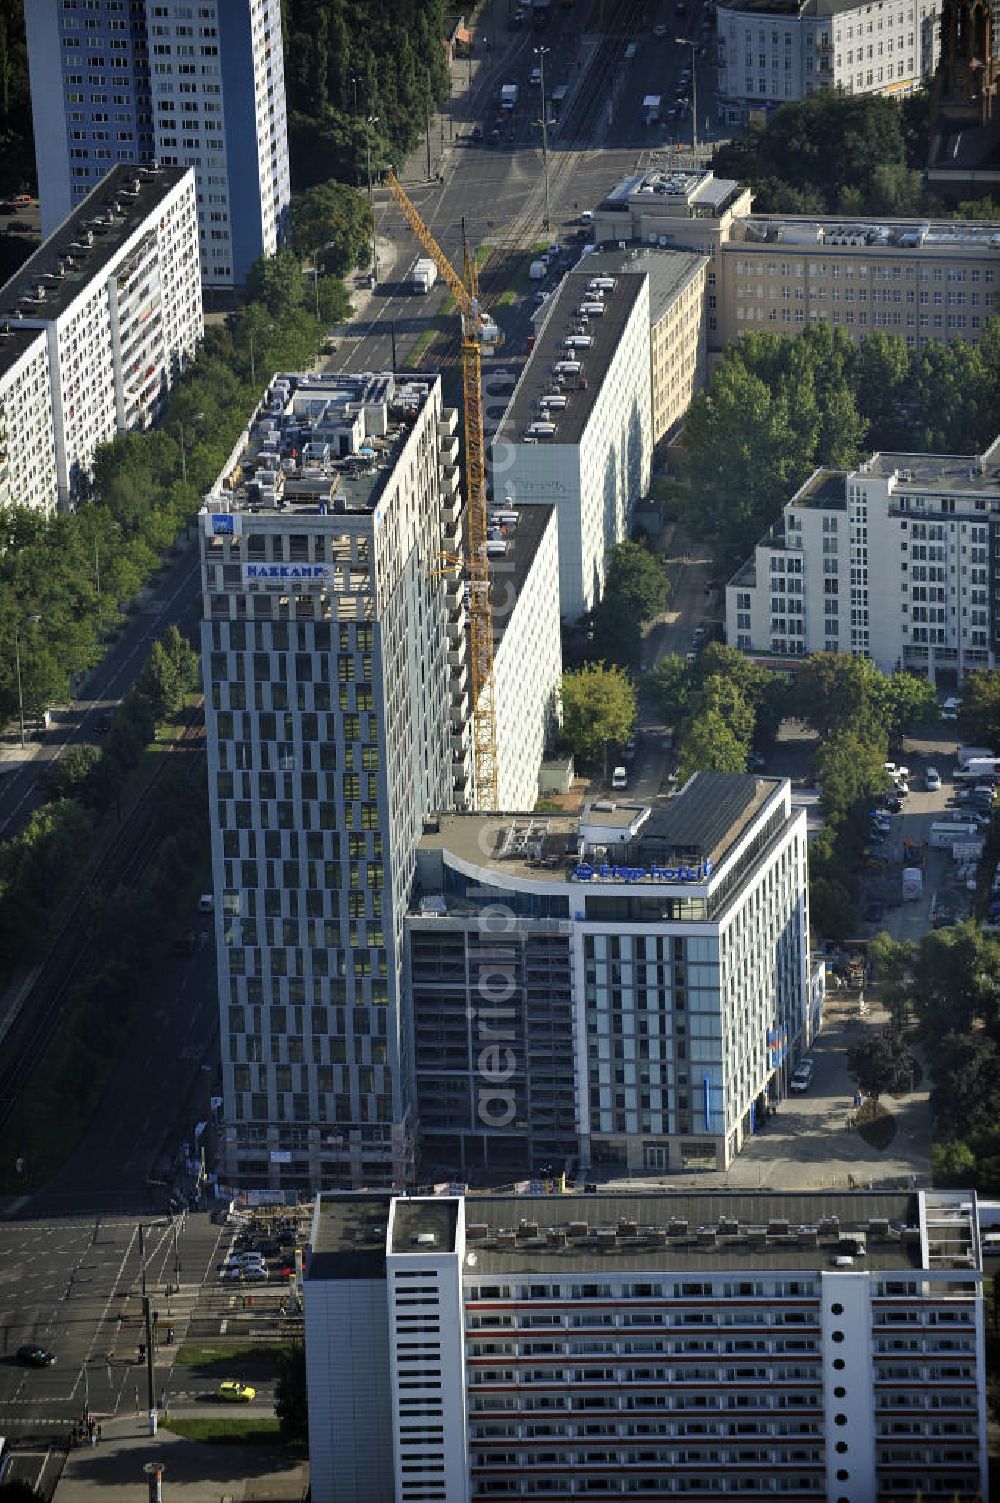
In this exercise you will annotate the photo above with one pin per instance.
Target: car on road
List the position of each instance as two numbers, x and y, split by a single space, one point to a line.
872 911
255 1273
33 1355
659 30
932 780
206 903
802 1078
619 779
477 133
231 1391
950 708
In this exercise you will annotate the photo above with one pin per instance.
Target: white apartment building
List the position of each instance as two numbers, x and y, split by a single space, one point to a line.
678 309
891 561
782 50
115 297
702 1345
653 970
577 434
27 437
198 84
527 655
925 280
330 639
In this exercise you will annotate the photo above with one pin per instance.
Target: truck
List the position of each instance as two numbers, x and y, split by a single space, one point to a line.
508 96
978 770
944 834
651 109
967 754
913 884
424 275
968 850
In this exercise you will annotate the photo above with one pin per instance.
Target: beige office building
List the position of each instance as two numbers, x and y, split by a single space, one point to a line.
678 346
923 280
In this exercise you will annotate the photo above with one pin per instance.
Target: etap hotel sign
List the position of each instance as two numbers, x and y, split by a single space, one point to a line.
289 576
587 873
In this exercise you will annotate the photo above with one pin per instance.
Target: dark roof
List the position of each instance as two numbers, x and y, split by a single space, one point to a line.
537 379
709 813
108 238
631 1217
425 1218
14 341
510 572
348 1236
825 490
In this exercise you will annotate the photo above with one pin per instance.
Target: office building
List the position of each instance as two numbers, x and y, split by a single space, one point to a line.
330 638
115 299
577 434
678 312
694 1345
891 561
198 85
782 50
925 280
651 967
527 653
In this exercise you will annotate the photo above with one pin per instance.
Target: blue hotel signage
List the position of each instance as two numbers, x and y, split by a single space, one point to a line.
587 873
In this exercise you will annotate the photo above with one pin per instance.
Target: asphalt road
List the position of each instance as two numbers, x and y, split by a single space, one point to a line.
64 1283
173 599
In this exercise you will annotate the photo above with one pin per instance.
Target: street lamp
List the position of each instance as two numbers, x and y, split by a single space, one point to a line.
372 120
541 53
687 42
196 417
17 664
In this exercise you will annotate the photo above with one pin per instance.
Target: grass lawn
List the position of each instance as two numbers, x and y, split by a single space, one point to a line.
228 1429
238 1354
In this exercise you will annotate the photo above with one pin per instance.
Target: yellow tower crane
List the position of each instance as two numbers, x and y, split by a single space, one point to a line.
477 330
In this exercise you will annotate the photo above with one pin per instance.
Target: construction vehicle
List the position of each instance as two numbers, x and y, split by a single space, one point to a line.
477 331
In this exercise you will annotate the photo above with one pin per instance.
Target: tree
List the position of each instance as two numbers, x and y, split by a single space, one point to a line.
850 773
979 716
335 222
66 777
638 578
953 1165
709 745
616 633
598 707
909 702
278 283
882 1062
291 1397
670 685
835 692
966 1095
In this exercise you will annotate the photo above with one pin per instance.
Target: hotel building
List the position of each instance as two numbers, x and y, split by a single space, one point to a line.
640 980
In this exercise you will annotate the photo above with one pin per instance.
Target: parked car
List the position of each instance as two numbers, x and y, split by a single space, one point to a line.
872 911
619 779
932 780
950 708
802 1078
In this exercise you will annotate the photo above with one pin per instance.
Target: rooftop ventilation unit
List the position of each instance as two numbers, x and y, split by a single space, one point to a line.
424 1239
476 1231
556 1236
678 1227
577 1229
878 1226
528 1229
778 1228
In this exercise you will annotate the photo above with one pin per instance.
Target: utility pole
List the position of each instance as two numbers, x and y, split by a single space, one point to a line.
540 53
150 1389
687 42
372 120
142 1259
153 1471
20 692
392 336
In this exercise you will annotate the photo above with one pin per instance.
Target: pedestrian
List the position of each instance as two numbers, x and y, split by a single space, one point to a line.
98 1435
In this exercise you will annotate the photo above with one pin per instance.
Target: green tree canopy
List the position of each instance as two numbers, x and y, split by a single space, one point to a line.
637 577
710 745
882 1062
334 221
291 1398
598 707
671 685
979 716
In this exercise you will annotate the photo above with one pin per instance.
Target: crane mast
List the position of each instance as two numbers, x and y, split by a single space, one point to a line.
477 329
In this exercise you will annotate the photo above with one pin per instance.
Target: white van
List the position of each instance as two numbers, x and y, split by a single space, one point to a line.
619 779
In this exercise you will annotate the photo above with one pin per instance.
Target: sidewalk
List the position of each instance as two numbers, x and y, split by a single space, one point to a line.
193 1472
